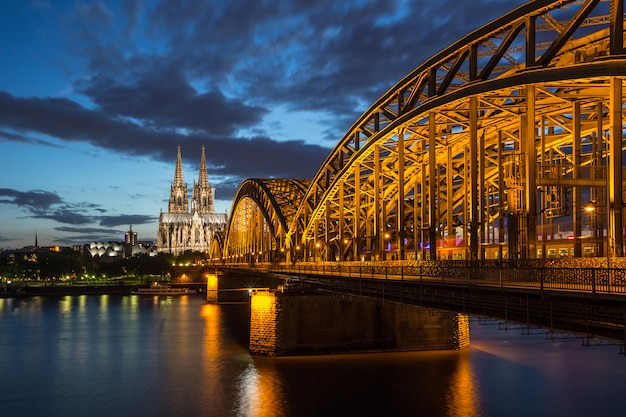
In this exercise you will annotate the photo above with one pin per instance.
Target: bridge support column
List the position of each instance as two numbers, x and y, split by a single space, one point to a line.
432 185
474 209
530 155
615 176
296 324
212 288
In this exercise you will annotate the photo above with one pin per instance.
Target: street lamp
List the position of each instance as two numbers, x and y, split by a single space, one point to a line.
590 209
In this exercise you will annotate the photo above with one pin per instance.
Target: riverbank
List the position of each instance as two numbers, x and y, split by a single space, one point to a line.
60 290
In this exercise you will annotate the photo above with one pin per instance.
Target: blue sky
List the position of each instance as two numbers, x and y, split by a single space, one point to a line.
95 96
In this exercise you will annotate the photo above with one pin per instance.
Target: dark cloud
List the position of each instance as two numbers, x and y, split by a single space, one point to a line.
126 220
68 120
88 230
34 201
65 215
165 100
328 56
47 205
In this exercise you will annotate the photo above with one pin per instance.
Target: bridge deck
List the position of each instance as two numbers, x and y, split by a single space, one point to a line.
585 301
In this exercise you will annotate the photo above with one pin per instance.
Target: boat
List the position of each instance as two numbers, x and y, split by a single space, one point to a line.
159 289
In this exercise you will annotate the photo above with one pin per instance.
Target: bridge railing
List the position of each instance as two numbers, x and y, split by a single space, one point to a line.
505 275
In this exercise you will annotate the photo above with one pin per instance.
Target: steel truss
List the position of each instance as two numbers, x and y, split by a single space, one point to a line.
262 211
494 147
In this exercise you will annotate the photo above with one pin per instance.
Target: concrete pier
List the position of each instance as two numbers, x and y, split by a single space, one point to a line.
212 288
292 323
233 286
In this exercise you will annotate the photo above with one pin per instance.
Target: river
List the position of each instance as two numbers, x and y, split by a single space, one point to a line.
179 356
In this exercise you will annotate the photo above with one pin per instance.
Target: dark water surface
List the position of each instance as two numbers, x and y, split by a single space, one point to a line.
178 356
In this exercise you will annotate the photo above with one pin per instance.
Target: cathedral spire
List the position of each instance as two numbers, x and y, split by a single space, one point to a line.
179 177
203 181
179 198
203 193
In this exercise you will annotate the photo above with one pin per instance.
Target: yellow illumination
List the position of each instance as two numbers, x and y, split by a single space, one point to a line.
261 302
211 282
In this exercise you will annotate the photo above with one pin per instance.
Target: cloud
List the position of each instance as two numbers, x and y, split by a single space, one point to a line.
35 201
88 230
47 205
126 219
65 215
163 99
69 121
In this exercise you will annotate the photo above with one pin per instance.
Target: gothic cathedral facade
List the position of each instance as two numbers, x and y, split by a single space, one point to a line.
188 226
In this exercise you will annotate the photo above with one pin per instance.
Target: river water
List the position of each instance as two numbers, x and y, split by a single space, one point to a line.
179 356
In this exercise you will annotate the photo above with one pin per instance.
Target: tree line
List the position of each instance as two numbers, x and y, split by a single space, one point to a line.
69 264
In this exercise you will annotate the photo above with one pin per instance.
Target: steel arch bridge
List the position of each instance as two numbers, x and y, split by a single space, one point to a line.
262 212
508 143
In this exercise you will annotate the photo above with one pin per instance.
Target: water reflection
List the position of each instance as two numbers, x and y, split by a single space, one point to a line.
259 392
462 399
214 391
256 389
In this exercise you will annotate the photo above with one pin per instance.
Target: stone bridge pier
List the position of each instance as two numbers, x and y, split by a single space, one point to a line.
292 322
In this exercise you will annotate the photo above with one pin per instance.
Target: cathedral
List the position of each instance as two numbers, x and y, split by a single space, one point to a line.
189 226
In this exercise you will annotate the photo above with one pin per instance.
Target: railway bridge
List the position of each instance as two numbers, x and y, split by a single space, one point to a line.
507 145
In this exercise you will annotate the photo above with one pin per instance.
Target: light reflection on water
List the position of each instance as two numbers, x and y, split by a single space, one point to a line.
166 356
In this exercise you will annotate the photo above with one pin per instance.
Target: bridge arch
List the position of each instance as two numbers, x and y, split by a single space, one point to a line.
261 213
486 149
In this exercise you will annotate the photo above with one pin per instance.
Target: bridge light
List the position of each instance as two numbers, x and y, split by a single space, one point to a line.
590 207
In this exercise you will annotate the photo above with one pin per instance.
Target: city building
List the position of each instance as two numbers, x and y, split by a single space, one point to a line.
130 238
189 225
118 250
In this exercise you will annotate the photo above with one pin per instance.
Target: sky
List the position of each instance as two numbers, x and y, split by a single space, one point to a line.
95 97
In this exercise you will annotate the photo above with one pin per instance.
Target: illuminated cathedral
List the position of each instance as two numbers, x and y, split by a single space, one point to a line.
188 226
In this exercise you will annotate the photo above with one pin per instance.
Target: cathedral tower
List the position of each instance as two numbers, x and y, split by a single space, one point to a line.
203 193
179 197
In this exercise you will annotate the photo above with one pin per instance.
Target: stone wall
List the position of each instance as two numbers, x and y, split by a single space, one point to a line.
212 288
296 324
264 324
